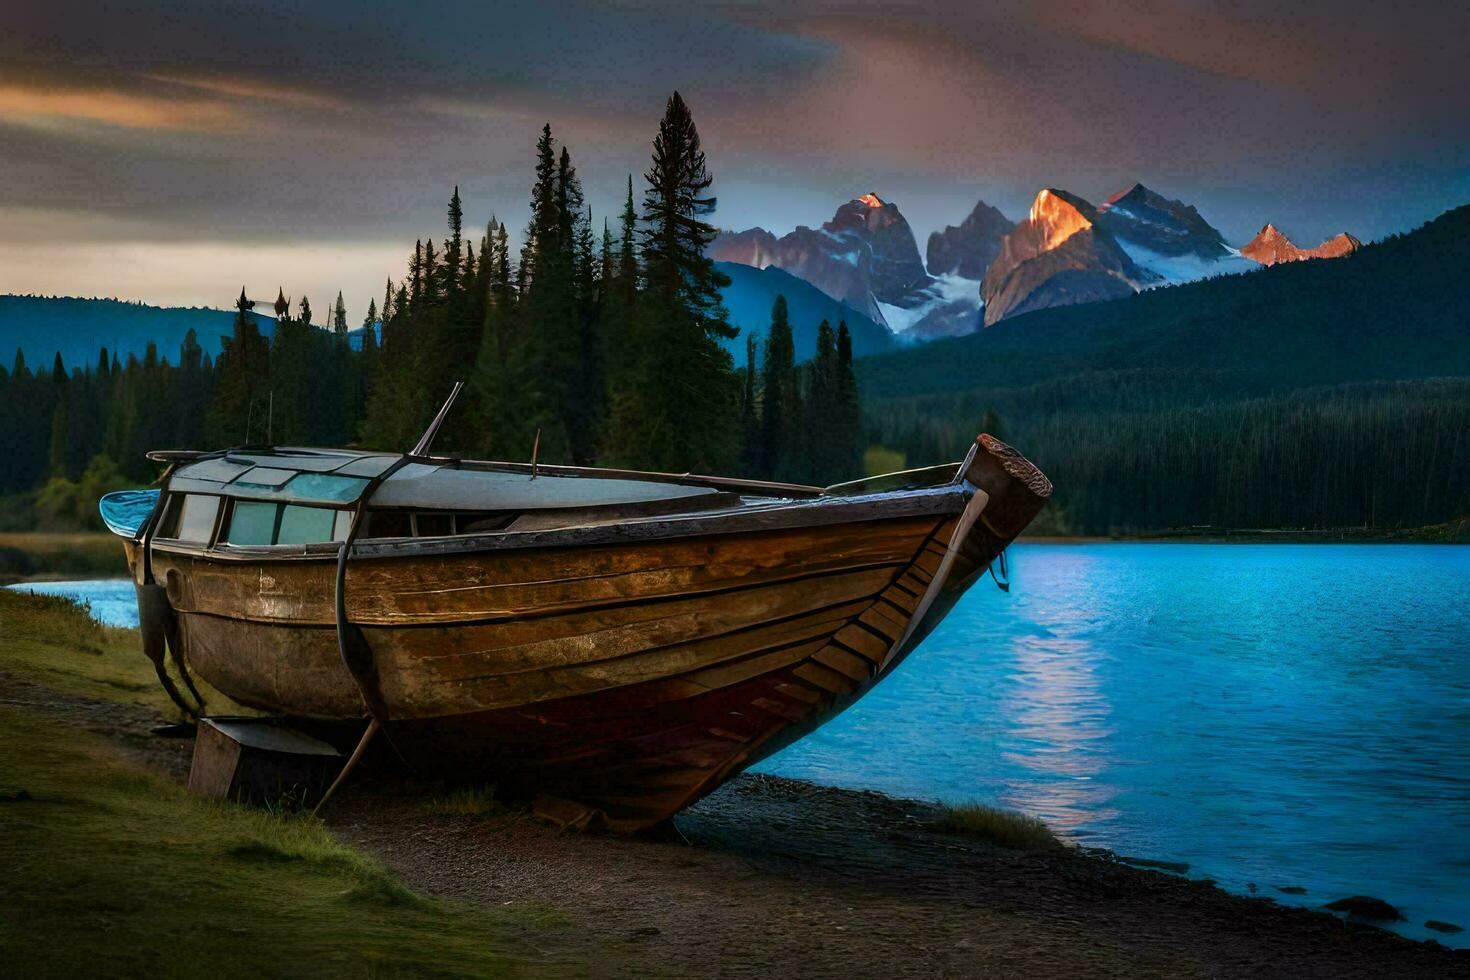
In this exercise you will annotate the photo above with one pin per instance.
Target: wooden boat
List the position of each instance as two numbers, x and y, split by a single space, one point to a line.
618 642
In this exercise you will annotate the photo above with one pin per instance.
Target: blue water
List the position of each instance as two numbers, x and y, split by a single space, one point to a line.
112 601
1271 715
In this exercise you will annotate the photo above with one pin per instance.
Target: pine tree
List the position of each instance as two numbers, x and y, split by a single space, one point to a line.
416 275
605 259
849 410
682 410
284 416
549 313
458 330
432 289
542 229
821 427
243 371
339 318
780 398
453 248
56 466
586 405
193 391
618 312
750 418
628 243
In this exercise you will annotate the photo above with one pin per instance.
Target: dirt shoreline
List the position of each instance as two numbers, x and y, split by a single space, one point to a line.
774 877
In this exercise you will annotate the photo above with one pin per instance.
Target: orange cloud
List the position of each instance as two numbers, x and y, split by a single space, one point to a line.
244 88
35 105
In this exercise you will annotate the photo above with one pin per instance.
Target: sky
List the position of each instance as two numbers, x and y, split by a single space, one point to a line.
171 152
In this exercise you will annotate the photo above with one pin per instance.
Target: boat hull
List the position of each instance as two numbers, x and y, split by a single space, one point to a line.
625 679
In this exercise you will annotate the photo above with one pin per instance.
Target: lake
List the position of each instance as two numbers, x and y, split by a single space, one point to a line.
1271 715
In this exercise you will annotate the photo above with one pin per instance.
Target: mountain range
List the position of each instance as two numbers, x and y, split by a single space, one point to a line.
986 269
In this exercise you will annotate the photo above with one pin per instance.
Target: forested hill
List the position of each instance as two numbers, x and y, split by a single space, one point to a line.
1310 394
39 326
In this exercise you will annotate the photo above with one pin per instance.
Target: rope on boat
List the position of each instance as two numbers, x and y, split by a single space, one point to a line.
1004 582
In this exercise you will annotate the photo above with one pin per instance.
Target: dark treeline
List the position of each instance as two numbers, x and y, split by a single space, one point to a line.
1387 454
601 338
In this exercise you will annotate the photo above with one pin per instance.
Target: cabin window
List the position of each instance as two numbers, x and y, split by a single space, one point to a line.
253 522
304 525
257 522
190 518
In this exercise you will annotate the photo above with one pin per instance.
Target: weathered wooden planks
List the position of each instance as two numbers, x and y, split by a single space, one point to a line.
632 677
464 588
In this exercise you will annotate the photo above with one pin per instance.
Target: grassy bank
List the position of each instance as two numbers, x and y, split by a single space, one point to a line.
110 869
53 641
39 555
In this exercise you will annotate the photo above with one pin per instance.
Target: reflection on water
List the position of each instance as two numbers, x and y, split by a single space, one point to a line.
1272 715
1058 734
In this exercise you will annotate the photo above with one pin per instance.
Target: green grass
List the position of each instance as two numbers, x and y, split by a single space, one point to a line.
87 554
1004 828
54 641
108 869
467 801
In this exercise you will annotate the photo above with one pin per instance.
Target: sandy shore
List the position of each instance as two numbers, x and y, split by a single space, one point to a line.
772 877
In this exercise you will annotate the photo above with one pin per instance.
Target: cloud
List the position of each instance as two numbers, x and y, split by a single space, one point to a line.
255 90
43 106
336 121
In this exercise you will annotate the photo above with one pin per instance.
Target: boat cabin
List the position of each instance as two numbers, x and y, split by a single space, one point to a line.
305 500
